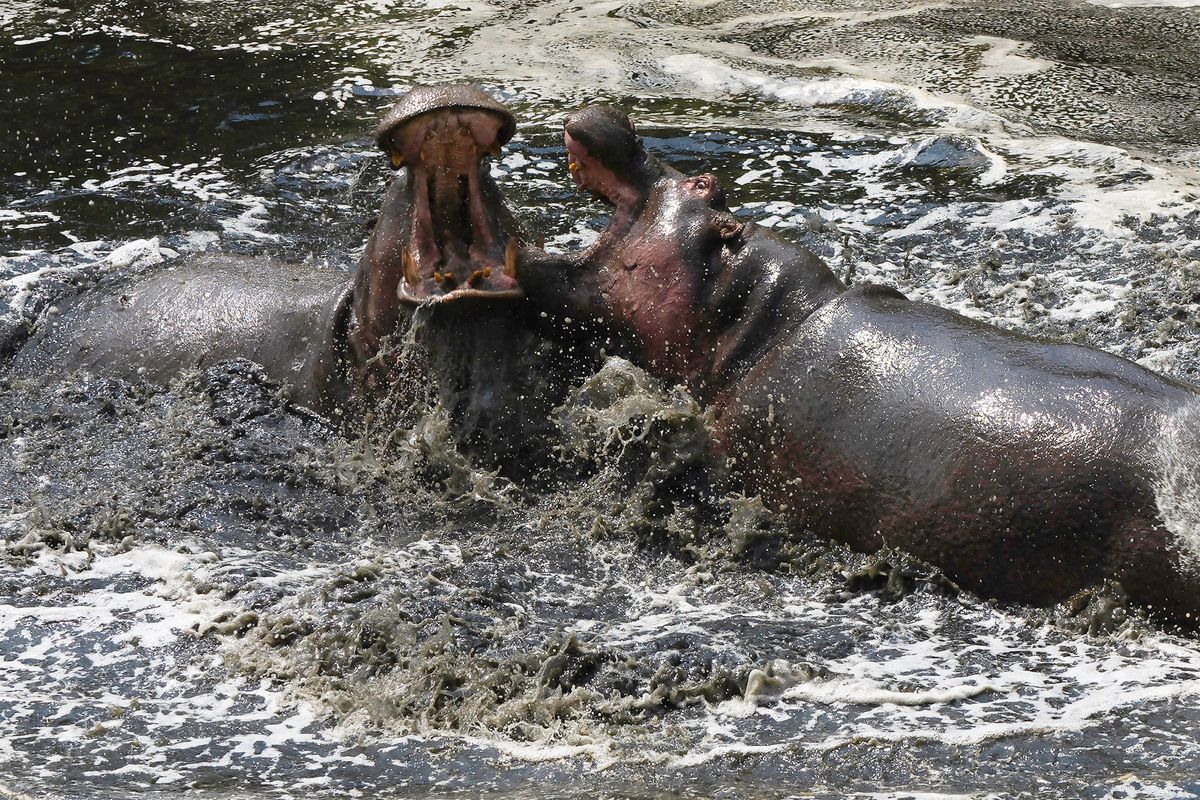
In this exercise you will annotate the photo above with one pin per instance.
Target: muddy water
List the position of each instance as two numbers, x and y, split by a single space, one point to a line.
210 592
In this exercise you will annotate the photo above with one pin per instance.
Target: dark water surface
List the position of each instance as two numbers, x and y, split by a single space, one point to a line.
209 592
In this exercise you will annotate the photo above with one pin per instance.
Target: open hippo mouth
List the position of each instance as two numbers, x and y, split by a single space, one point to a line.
461 239
606 157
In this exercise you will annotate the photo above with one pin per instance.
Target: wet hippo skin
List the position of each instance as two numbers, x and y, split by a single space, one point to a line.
196 312
442 238
1026 469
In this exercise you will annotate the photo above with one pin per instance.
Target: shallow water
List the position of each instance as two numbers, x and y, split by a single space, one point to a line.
211 593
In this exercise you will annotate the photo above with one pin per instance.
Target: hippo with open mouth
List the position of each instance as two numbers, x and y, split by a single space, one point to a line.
439 265
1026 469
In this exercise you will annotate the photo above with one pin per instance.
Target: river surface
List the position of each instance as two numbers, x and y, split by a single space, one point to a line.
208 592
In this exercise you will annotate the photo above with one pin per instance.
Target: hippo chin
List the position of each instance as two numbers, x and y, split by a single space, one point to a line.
439 264
1026 469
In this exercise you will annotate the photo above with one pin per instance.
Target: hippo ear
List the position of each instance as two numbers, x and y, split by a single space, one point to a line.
728 227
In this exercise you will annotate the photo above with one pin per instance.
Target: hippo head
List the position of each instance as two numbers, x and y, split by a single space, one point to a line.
606 157
453 236
652 275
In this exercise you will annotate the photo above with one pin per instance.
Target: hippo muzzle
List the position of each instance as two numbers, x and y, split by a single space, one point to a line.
459 239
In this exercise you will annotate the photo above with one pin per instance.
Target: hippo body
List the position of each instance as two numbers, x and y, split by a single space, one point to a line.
1026 469
442 236
436 272
195 312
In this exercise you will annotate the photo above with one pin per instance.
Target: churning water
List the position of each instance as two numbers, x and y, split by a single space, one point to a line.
209 592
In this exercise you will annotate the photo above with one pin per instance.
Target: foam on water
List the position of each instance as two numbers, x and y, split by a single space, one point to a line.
1146 3
206 644
1178 488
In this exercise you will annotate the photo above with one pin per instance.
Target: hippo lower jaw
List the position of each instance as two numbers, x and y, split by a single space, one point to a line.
461 242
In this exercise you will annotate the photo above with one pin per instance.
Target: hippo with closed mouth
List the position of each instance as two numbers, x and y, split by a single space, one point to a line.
1026 469
439 266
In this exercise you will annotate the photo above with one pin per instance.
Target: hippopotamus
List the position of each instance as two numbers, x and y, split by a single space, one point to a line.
1025 469
438 267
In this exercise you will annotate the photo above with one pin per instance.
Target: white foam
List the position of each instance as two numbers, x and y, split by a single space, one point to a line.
5 792
1085 169
1130 786
714 77
137 253
1146 3
1177 489
1004 58
867 692
535 752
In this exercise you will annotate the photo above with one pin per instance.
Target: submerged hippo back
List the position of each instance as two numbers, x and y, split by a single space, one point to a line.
191 314
1025 468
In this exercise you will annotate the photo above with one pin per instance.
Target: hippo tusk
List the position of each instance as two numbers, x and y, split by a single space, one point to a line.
510 259
410 268
397 160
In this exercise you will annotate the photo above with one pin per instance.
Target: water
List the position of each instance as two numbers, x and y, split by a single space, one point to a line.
211 593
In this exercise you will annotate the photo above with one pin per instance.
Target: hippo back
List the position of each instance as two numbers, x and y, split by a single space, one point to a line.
191 314
1017 464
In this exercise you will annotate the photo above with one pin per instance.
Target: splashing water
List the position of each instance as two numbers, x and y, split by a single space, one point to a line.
214 593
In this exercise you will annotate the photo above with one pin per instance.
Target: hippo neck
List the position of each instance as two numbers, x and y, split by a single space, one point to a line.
380 271
763 289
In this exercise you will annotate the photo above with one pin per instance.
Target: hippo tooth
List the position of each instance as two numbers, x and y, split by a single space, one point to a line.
510 259
397 160
410 268
572 166
476 277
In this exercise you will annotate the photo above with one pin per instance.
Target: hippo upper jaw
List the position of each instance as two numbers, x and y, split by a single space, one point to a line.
592 175
460 240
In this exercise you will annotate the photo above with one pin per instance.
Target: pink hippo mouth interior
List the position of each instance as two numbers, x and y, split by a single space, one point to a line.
460 242
590 174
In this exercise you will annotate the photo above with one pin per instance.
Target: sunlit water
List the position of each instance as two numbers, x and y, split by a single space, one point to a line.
208 592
